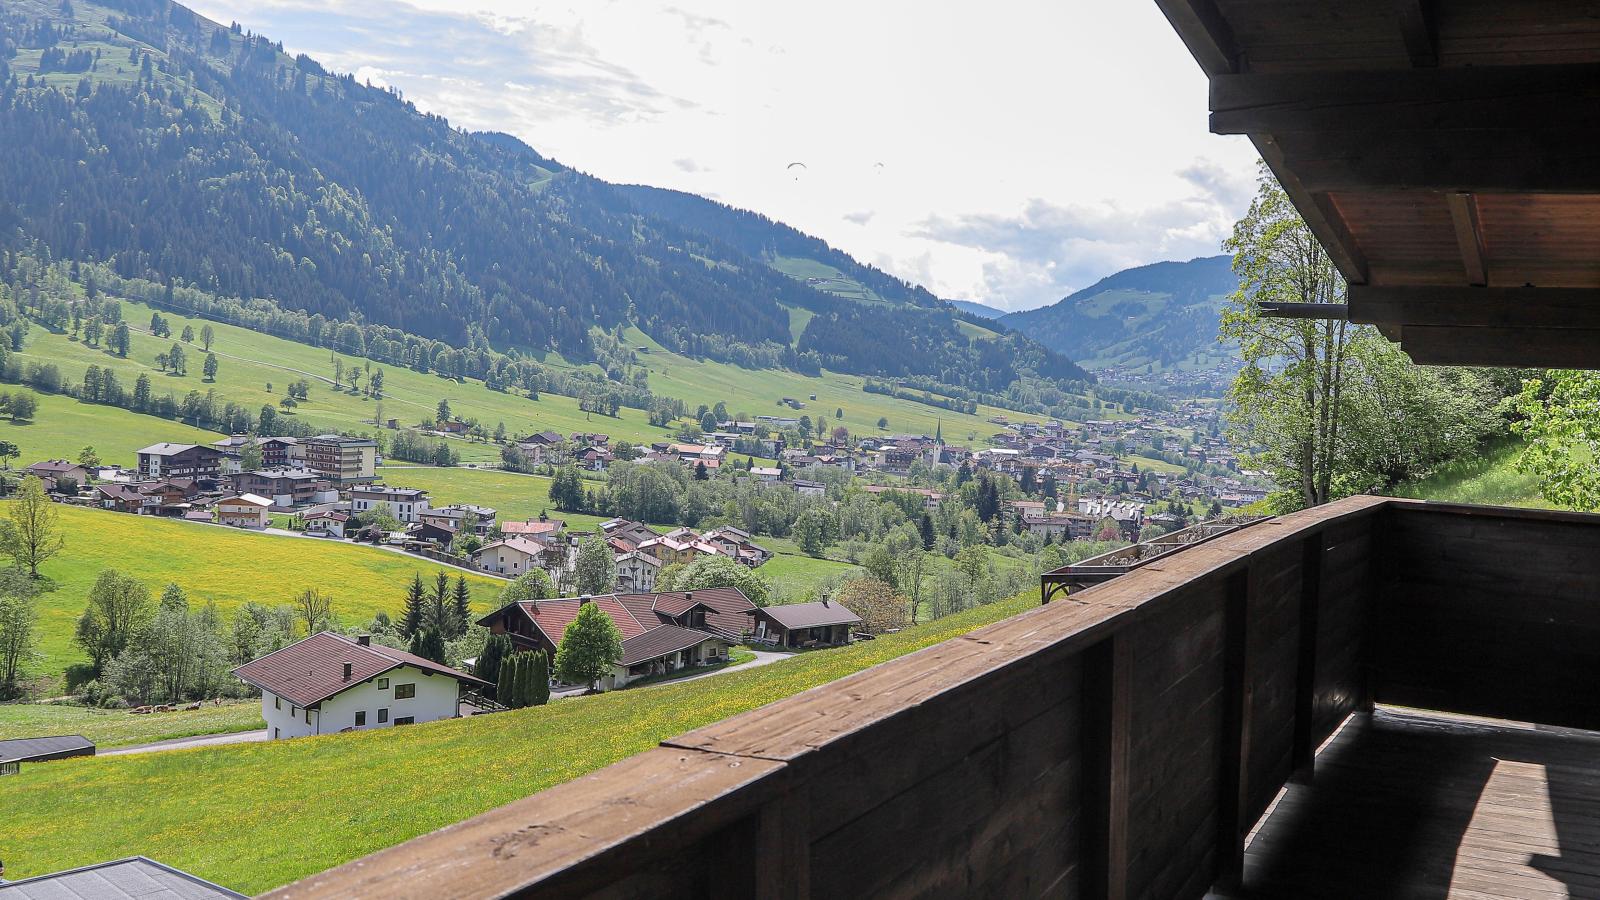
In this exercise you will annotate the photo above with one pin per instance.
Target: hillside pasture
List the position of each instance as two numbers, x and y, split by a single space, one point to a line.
183 806
222 565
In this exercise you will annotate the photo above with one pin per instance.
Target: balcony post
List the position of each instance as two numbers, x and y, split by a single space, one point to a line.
1305 686
1107 736
1237 689
783 848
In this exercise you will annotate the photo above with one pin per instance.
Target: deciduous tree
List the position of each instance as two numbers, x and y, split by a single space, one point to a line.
589 648
30 533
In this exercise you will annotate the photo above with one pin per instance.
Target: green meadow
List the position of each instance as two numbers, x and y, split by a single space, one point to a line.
223 565
317 802
119 727
62 427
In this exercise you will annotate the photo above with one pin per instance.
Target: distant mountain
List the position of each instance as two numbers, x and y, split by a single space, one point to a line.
1148 319
177 150
978 309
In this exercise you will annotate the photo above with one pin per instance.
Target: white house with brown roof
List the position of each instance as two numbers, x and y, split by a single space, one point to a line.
514 556
329 683
244 511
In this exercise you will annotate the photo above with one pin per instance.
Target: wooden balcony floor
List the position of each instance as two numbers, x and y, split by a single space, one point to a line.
1411 805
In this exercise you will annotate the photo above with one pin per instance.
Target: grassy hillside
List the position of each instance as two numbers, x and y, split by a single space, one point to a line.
118 727
248 361
63 427
1490 478
219 564
69 813
758 392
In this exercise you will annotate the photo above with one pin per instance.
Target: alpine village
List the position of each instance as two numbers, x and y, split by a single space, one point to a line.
1116 504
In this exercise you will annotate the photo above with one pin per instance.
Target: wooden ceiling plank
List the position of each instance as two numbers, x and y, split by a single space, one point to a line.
1320 213
1420 31
1469 236
1556 348
1505 98
1207 34
1475 307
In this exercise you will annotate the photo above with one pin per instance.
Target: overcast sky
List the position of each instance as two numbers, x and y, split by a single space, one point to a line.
1009 151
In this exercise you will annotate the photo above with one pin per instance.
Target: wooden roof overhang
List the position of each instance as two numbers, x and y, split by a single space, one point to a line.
1446 154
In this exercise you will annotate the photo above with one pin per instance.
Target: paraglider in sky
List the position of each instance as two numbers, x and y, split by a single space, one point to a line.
796 165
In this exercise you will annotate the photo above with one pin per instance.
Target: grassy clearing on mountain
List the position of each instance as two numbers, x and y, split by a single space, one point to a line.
118 727
317 802
225 565
62 427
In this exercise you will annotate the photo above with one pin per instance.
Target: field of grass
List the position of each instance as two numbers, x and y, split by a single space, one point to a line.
1489 478
118 727
219 564
757 393
792 574
248 361
62 427
316 802
514 495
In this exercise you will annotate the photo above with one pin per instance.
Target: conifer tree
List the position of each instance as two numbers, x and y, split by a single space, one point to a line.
463 606
540 695
416 595
505 691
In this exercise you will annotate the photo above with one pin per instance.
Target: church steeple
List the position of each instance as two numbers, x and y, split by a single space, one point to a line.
938 432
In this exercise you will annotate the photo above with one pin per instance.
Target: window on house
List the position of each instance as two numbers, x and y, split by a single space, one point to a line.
361 717
405 691
383 684
308 717
383 716
277 703
405 720
293 711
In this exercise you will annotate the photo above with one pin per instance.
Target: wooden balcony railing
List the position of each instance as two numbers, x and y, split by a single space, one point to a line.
1119 743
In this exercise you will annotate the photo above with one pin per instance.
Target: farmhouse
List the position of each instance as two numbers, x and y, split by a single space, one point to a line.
822 623
517 556
244 511
544 525
477 520
329 683
661 633
52 471
329 522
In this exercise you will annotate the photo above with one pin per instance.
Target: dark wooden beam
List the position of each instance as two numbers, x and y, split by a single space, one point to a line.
1419 30
1319 211
1474 98
1469 237
1483 162
1475 307
1304 310
1205 32
1556 348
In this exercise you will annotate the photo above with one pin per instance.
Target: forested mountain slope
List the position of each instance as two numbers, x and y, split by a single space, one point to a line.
180 151
1157 316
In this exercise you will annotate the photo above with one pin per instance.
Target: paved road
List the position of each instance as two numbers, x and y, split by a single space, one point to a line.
199 740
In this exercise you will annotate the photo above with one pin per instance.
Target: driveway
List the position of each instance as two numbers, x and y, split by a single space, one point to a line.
183 743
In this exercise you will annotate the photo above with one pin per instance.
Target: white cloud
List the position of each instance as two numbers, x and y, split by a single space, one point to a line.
1025 148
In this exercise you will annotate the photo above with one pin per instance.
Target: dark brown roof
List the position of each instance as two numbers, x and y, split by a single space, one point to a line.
728 611
658 642
310 671
810 615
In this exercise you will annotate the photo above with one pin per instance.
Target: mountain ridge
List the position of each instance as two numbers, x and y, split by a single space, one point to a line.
180 150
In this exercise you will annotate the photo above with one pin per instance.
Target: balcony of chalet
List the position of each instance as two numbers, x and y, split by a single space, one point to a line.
1374 698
